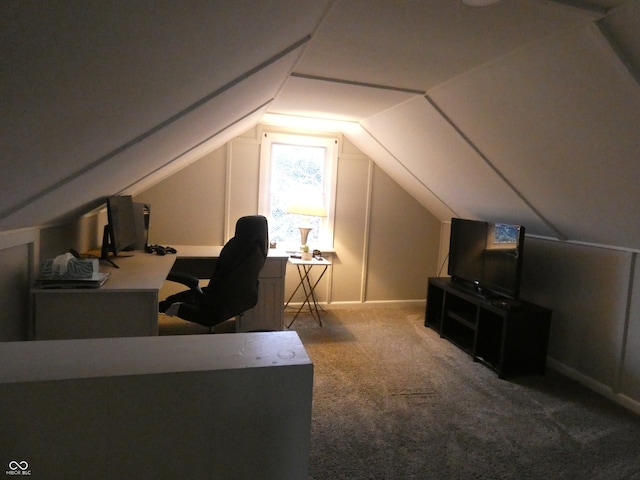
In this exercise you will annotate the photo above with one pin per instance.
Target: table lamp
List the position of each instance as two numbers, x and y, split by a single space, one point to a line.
308 207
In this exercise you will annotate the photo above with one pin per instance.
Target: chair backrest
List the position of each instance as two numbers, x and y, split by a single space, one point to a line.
233 287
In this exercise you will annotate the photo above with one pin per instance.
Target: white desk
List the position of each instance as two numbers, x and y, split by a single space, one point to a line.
127 304
308 285
268 314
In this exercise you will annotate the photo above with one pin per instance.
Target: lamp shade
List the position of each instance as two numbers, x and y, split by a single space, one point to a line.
312 207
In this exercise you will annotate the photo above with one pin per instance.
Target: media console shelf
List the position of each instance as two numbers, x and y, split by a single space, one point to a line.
510 337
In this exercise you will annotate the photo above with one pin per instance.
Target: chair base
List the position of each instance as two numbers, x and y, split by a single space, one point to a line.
228 326
177 326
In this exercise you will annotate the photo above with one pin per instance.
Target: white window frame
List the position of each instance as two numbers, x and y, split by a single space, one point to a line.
330 143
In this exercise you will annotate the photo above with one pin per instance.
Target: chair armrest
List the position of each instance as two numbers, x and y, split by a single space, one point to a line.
185 279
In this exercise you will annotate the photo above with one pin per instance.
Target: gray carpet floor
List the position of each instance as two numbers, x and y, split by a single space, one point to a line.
392 400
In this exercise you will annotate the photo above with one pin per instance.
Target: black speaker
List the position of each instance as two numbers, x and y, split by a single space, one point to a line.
142 214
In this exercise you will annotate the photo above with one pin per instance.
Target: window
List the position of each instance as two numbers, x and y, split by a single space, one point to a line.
294 170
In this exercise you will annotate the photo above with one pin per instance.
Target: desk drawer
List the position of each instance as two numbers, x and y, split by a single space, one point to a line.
273 268
203 267
198 267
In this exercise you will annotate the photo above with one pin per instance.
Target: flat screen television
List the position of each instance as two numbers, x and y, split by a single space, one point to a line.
121 231
487 257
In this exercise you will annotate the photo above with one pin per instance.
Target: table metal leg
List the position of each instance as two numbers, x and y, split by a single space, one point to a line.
309 291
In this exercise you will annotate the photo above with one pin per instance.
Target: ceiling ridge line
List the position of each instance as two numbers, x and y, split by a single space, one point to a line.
393 107
153 130
325 15
358 84
509 54
197 145
584 5
331 5
613 44
486 160
409 171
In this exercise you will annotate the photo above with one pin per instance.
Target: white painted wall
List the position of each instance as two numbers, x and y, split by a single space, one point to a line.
386 243
594 329
19 256
594 292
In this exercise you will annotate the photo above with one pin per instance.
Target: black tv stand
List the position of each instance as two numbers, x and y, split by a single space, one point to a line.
508 336
473 288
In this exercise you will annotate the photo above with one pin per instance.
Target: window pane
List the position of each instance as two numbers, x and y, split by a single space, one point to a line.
296 172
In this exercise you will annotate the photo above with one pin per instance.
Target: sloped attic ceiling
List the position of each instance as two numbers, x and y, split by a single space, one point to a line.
523 111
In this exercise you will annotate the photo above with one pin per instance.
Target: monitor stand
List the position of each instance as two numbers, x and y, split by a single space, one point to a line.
107 245
109 261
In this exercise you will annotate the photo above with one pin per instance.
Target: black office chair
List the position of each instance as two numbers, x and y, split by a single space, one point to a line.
233 287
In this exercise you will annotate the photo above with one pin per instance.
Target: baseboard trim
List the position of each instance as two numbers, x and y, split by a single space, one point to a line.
598 387
373 304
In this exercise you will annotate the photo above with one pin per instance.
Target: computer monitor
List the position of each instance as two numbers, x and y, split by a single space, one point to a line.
120 232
